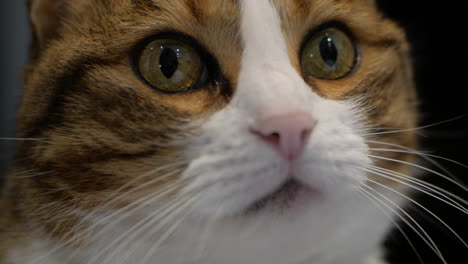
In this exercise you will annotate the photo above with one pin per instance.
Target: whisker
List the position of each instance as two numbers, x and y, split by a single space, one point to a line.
423 168
205 234
422 184
136 230
127 233
416 128
115 198
142 201
422 154
419 154
368 196
170 231
145 175
422 207
135 207
27 174
107 203
421 232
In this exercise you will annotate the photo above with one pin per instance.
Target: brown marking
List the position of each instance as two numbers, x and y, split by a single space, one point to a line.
197 11
102 126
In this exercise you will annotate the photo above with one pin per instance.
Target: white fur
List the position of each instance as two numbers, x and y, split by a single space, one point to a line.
268 85
340 227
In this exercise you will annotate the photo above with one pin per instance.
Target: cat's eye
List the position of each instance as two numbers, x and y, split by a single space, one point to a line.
328 54
171 65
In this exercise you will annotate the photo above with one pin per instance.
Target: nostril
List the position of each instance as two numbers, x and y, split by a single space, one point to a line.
273 138
288 133
306 134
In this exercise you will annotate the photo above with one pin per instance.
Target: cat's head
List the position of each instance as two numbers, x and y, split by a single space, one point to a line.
257 115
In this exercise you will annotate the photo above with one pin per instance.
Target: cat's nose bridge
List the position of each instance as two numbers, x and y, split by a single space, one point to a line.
287 133
271 91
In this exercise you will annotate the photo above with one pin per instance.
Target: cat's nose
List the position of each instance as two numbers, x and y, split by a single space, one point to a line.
288 133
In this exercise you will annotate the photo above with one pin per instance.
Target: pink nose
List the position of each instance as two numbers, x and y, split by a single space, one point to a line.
288 133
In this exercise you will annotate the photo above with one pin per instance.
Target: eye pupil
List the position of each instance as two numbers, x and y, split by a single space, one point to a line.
168 62
328 51
329 54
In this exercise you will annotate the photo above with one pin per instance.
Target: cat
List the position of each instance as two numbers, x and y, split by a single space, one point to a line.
210 131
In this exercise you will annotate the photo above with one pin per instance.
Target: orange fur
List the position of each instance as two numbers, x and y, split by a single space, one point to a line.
99 126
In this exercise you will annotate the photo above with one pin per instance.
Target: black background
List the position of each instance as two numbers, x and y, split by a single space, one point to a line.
437 31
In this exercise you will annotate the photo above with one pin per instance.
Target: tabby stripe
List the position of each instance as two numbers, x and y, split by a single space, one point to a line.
302 6
67 84
73 176
376 85
146 4
93 156
196 9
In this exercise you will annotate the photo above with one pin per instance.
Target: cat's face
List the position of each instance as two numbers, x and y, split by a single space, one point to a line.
248 124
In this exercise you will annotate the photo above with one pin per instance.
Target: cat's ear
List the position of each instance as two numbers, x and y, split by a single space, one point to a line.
45 17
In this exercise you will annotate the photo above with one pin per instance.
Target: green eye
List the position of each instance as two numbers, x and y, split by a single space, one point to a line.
171 65
329 54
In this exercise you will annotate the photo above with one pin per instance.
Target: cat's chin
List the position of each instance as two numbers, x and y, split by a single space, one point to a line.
290 198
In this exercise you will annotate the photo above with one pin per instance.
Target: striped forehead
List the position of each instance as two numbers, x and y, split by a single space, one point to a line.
203 9
258 25
265 65
290 11
241 33
293 15
261 29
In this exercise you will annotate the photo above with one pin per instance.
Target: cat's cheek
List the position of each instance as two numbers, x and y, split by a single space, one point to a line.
334 161
230 168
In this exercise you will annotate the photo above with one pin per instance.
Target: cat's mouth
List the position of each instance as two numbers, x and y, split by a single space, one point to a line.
282 198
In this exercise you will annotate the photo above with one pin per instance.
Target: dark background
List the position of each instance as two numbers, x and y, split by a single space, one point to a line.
14 38
437 31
